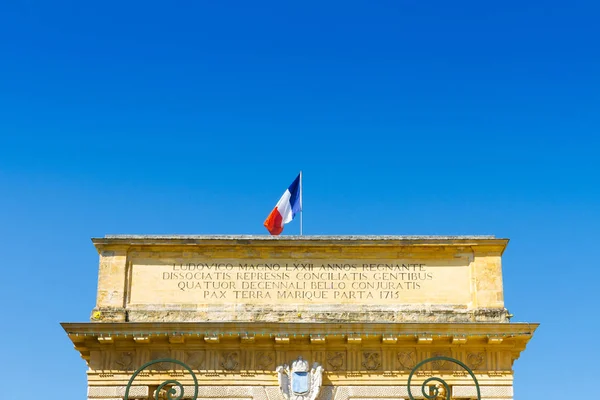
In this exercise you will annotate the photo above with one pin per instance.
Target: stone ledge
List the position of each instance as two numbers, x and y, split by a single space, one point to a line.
317 240
310 316
303 237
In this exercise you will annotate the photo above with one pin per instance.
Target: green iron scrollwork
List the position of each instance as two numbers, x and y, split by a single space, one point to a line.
170 383
432 394
434 391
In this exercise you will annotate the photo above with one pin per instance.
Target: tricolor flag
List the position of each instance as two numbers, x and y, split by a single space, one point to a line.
287 207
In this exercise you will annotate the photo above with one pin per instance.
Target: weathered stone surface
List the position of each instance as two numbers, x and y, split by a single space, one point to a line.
303 278
449 303
401 314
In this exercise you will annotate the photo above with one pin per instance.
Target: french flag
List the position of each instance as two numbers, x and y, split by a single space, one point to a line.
287 207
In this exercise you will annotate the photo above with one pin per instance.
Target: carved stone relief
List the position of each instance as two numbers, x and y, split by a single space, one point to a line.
371 360
299 381
440 365
195 359
162 366
336 360
407 360
124 360
475 360
230 360
264 360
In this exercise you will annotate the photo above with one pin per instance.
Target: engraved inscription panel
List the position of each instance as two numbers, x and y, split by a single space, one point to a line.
260 281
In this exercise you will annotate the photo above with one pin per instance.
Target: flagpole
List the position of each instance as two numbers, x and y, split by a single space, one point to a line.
301 205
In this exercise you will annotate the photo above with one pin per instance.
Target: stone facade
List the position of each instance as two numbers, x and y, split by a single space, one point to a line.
233 308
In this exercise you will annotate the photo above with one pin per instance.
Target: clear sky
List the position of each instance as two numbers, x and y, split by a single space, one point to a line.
192 117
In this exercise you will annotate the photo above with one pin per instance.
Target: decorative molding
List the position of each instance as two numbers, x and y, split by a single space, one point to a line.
141 339
177 338
495 340
424 339
353 374
389 339
211 339
247 338
261 357
317 339
459 339
282 340
354 340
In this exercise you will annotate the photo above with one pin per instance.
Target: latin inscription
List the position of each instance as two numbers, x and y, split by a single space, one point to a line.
348 281
303 281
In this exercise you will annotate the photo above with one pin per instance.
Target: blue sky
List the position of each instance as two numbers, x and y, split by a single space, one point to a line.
406 117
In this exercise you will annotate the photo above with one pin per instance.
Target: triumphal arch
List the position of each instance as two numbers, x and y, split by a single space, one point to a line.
300 318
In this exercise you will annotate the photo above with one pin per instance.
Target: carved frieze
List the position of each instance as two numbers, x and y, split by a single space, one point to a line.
407 360
475 359
195 359
162 366
264 360
336 360
348 359
371 360
124 361
440 365
230 360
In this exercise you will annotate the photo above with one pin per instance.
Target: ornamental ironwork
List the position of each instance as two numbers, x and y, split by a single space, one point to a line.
432 388
440 390
171 386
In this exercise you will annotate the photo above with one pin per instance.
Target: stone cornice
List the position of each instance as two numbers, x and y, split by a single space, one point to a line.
121 242
453 333
297 237
489 348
